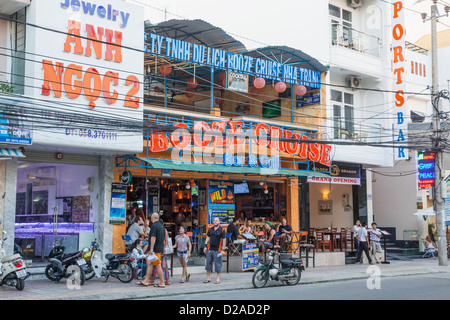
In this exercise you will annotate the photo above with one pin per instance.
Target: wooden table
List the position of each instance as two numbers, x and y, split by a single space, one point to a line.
333 235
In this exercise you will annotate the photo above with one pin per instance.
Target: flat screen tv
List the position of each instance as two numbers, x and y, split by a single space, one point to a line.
240 188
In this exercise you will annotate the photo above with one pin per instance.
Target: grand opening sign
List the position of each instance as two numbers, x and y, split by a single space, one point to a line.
86 70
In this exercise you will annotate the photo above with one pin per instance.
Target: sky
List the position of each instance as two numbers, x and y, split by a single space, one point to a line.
259 21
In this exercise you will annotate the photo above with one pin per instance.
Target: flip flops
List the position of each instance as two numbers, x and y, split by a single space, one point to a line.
187 278
159 286
207 281
140 283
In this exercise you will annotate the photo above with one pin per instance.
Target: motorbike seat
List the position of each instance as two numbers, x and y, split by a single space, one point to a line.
287 263
118 256
11 258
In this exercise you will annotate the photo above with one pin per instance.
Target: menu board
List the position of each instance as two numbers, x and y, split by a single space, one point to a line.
221 202
250 256
118 203
81 208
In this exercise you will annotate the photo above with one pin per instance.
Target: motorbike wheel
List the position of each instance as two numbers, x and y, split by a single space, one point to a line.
126 273
49 273
89 272
20 285
298 274
259 279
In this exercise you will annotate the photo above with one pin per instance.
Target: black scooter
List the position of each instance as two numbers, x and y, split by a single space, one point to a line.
65 265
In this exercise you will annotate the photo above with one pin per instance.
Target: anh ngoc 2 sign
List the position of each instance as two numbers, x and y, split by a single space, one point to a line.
88 71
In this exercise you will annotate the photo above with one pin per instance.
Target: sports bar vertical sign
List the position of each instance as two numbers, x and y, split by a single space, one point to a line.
398 63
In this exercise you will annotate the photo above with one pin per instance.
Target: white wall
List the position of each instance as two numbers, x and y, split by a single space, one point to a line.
339 218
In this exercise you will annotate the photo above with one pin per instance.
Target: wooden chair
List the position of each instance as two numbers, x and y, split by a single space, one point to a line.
311 238
344 237
321 242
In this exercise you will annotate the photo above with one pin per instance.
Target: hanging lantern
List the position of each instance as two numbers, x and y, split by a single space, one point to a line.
300 90
156 89
259 82
280 87
190 93
192 83
219 101
165 69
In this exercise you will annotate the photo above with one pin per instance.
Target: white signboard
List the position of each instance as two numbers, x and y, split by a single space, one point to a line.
84 72
336 180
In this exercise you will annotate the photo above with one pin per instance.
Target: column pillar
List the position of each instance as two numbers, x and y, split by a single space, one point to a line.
104 230
8 197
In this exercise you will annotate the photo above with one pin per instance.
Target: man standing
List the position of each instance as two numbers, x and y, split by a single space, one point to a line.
356 228
375 236
214 246
158 241
363 240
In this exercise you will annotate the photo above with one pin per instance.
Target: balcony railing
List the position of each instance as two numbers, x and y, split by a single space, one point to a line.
347 37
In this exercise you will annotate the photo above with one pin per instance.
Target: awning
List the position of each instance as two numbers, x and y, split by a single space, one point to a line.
11 153
170 165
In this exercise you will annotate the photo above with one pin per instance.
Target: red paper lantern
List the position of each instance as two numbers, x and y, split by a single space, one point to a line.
280 87
259 82
219 101
300 90
157 89
190 93
165 69
192 83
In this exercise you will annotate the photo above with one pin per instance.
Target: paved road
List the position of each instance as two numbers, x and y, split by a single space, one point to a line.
417 287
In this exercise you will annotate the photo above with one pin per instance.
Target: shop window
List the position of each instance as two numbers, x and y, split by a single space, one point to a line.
55 200
18 40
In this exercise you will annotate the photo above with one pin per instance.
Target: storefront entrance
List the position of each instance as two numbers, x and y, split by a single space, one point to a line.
54 200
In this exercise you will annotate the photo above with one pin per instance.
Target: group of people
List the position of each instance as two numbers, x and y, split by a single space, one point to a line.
367 240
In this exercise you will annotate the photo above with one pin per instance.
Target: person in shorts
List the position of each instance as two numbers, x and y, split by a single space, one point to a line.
158 241
215 244
183 248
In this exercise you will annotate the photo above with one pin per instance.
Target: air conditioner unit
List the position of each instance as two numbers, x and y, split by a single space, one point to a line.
354 82
355 3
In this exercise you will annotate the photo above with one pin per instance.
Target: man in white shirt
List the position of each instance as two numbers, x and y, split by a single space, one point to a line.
356 228
363 239
375 236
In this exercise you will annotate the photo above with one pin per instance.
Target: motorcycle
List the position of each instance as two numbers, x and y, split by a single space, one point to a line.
289 273
65 265
12 269
116 265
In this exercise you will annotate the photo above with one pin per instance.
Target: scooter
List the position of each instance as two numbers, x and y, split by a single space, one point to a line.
116 265
12 268
289 273
65 265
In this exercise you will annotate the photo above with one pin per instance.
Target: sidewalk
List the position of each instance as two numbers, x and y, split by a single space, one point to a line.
96 289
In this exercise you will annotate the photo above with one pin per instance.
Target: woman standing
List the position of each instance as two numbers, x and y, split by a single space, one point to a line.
184 247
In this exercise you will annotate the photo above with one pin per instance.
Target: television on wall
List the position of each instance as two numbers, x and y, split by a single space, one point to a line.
271 109
241 188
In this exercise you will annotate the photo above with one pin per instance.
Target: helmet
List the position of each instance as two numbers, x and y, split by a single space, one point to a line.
86 250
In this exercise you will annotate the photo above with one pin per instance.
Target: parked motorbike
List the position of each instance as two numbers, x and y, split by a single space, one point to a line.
289 273
65 265
12 268
116 265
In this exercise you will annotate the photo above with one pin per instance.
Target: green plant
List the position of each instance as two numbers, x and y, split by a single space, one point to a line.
6 87
432 231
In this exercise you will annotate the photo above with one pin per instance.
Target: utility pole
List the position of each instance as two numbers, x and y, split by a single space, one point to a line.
439 198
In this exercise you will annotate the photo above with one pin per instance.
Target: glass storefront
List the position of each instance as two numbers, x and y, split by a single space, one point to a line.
55 200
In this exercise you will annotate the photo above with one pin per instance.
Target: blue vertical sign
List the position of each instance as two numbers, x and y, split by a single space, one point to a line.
118 203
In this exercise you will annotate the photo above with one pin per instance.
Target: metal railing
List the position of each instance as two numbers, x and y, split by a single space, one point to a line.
347 37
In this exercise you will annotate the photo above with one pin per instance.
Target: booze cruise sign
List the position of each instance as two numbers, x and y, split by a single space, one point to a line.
85 68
